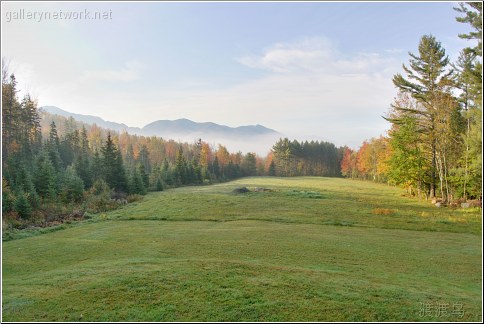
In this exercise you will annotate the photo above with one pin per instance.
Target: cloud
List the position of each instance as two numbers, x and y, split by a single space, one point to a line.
314 55
130 72
311 90
307 54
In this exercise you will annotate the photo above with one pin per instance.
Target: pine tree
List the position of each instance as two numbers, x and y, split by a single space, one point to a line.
216 168
427 80
82 162
97 167
180 168
45 177
22 205
471 75
472 16
136 183
10 114
159 184
113 168
72 188
53 146
272 169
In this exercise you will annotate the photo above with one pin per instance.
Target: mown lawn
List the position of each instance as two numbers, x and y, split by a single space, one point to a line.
312 249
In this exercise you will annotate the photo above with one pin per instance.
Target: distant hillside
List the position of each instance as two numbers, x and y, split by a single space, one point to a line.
88 119
251 138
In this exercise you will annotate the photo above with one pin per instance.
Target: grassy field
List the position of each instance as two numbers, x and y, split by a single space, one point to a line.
312 249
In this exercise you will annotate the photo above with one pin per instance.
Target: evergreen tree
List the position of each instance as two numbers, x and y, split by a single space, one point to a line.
82 162
136 183
30 130
144 158
166 173
129 158
113 168
97 167
471 77
45 177
53 145
216 168
427 80
472 15
159 184
144 175
180 168
8 198
272 169
22 205
72 188
249 164
10 115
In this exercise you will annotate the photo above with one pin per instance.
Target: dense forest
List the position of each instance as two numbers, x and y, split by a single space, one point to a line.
55 167
434 146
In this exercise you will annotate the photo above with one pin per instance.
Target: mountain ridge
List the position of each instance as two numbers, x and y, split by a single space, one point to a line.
183 129
176 125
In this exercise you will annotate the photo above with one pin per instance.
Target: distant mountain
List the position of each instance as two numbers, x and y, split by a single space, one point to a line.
185 126
251 138
88 119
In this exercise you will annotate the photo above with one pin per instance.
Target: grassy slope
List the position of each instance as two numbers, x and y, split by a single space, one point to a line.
236 267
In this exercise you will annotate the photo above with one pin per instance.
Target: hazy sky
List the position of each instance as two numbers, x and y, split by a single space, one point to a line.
308 70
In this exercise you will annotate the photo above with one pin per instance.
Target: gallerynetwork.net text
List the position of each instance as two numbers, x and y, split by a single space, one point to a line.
40 16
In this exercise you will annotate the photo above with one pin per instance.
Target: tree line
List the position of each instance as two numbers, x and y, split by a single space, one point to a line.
434 146
53 165
51 171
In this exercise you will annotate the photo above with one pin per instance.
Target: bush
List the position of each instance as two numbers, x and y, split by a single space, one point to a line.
98 198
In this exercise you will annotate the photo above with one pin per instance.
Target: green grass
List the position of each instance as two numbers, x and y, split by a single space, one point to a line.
206 254
308 200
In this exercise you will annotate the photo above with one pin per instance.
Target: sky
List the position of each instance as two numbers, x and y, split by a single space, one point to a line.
310 70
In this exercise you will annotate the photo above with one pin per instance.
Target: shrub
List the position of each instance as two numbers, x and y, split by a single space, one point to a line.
98 198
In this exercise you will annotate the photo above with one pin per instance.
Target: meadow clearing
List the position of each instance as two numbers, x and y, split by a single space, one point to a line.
306 249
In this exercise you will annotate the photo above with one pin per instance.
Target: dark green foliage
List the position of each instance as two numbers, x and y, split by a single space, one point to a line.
292 158
114 172
45 177
22 205
136 183
8 198
53 148
72 188
97 167
159 184
144 175
249 166
181 176
144 159
472 15
272 169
